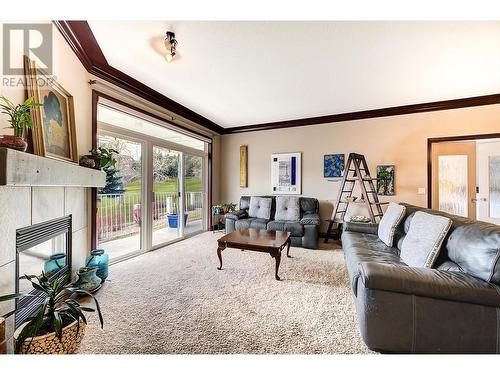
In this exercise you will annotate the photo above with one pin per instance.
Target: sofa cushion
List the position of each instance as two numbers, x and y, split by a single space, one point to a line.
310 219
251 222
287 208
391 219
476 249
421 245
294 227
260 207
309 205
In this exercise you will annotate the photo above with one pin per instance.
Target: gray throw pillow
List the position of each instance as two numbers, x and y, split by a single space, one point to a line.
287 208
423 241
391 219
260 207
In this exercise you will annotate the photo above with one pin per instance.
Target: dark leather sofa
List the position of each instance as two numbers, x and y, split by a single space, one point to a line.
420 310
304 233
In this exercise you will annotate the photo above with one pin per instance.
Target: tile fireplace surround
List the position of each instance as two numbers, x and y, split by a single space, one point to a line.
24 206
33 190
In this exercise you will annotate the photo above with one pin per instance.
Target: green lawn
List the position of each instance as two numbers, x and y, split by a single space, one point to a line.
192 184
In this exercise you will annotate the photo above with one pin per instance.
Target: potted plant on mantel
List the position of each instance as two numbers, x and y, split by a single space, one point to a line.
19 118
101 156
59 324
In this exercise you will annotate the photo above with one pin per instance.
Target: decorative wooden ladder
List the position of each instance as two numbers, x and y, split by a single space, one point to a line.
356 169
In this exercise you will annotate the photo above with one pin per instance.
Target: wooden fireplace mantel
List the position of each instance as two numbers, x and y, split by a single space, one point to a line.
22 169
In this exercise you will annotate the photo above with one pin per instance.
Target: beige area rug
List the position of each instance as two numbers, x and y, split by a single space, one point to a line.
174 300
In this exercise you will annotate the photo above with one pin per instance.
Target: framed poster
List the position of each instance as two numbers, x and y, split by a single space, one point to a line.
333 165
243 166
385 180
54 133
286 173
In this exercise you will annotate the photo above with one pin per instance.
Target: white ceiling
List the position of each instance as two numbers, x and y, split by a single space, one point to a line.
241 73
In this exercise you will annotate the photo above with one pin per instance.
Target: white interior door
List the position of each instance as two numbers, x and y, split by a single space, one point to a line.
488 181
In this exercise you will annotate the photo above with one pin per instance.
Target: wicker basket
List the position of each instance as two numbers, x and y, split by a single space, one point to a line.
50 344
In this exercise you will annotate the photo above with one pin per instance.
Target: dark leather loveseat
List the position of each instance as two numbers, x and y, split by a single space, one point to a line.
304 233
452 308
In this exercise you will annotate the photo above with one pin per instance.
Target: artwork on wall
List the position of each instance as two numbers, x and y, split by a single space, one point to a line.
243 166
333 165
53 130
385 180
286 173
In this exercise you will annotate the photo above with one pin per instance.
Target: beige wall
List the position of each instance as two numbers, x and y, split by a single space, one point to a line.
398 140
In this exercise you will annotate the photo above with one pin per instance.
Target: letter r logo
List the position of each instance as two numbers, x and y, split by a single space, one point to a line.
21 39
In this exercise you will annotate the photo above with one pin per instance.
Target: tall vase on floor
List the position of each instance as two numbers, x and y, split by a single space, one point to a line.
99 260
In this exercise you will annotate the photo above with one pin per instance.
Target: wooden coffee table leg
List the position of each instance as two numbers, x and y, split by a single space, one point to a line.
277 256
220 248
289 243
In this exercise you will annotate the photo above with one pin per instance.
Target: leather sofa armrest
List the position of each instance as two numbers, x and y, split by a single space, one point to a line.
236 215
368 228
426 282
310 219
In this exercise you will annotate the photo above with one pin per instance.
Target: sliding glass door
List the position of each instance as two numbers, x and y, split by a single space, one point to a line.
119 202
166 204
193 193
156 193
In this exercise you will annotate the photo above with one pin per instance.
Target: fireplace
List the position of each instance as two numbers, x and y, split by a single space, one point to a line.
35 246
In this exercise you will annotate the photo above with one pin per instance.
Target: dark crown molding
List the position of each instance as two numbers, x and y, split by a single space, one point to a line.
382 112
82 41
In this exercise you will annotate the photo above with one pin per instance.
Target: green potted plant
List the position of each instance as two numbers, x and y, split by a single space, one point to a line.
103 158
228 207
19 118
59 323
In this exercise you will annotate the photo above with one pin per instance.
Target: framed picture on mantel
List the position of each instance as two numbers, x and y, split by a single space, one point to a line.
54 133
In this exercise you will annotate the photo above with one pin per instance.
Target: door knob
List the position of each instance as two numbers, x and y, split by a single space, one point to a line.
473 200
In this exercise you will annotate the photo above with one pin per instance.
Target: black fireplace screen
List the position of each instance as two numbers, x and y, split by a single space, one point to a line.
45 246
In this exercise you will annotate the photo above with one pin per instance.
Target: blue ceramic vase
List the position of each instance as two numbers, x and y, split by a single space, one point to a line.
99 260
87 279
56 262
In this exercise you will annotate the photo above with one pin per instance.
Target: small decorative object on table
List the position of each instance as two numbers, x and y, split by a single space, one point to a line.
56 262
98 259
19 118
359 219
57 327
87 279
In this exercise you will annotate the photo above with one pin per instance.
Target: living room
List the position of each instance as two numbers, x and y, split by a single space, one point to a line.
250 184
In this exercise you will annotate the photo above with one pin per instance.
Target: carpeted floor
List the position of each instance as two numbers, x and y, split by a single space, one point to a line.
174 300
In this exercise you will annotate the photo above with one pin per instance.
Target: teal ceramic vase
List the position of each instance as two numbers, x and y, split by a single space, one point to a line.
87 279
99 260
56 262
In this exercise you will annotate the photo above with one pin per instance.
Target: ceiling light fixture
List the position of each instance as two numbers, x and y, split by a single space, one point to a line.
170 45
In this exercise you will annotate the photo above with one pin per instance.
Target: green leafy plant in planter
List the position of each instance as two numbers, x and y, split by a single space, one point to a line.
19 119
100 158
228 207
59 315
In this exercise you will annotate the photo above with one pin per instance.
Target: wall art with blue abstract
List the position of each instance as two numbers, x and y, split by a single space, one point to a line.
334 165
